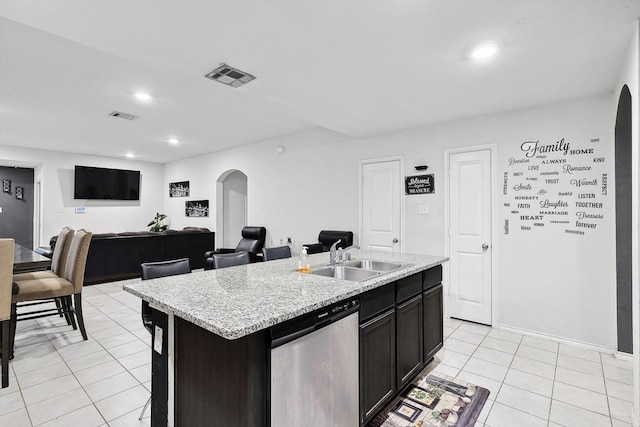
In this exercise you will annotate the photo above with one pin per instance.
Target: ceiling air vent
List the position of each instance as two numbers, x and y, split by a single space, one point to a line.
123 115
230 76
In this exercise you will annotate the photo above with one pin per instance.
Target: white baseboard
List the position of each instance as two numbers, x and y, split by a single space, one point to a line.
563 340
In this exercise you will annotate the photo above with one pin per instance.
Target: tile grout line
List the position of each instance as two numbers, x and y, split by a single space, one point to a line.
606 392
553 385
49 340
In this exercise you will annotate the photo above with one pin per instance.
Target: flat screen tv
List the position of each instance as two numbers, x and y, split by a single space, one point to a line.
106 184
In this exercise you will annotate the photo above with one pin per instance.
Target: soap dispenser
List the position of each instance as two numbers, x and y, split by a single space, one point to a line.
303 261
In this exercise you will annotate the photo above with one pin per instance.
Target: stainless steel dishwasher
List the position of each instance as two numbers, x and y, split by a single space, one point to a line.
314 368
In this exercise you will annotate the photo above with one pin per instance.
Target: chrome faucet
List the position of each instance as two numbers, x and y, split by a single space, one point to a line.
339 254
335 253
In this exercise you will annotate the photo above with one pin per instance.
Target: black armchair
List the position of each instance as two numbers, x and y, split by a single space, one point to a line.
326 238
252 242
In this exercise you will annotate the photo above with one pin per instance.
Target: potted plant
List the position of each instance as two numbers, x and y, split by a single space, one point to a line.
156 224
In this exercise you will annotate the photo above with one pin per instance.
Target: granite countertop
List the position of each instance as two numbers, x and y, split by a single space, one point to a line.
237 301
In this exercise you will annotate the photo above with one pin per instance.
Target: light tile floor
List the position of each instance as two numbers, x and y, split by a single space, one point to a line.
535 381
57 379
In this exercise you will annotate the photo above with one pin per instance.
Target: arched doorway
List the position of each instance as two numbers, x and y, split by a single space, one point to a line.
231 211
623 222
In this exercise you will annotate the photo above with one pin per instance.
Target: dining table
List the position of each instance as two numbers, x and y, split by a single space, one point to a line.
26 260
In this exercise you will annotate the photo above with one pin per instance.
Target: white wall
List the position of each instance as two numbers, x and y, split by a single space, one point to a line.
55 171
548 283
295 194
630 75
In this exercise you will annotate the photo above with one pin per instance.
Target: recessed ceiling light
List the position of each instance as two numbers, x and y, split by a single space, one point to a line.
143 96
130 155
173 140
484 51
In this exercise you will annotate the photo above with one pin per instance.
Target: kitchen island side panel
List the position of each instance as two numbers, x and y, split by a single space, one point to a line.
219 381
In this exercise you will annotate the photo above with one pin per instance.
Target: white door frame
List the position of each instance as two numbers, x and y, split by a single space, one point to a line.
361 164
219 235
495 225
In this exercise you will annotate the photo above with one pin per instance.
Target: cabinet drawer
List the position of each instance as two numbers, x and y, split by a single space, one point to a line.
376 301
432 277
409 287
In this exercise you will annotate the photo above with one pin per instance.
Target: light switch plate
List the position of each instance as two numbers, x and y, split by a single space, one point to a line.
423 209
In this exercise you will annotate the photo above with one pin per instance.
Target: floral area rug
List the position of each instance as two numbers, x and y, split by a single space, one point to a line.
435 400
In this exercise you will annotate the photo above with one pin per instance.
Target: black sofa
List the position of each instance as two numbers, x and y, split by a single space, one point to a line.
117 256
326 238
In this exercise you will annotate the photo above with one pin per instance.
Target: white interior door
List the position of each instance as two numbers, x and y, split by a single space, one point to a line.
381 207
470 236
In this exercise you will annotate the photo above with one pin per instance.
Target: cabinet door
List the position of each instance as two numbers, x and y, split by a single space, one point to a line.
377 364
433 326
410 337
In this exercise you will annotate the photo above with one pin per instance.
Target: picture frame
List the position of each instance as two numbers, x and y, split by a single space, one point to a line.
422 396
6 186
19 193
179 189
196 208
406 411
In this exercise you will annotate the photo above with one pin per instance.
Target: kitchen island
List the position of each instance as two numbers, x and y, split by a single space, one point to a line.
215 329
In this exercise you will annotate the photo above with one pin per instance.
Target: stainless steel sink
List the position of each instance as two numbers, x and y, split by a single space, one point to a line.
345 273
369 264
358 270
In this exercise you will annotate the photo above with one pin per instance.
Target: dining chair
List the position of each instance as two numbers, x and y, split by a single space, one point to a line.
7 247
228 260
58 265
58 261
279 252
65 287
154 270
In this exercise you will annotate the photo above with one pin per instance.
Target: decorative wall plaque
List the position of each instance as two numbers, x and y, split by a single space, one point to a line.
419 184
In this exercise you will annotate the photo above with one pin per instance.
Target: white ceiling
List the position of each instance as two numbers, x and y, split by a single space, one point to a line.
359 68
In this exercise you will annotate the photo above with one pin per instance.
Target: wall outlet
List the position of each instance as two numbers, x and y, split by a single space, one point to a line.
423 209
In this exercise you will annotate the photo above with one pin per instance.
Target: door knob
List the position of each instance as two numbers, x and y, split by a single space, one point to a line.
395 240
485 246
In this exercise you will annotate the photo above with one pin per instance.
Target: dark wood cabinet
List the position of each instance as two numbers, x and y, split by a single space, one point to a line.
377 363
433 323
219 381
410 335
400 329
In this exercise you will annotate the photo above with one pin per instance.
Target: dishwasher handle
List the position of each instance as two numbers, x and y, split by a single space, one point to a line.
277 342
307 323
